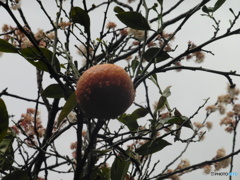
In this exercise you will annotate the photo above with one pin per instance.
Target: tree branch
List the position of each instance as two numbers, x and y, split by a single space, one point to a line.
5 93
160 70
195 167
41 155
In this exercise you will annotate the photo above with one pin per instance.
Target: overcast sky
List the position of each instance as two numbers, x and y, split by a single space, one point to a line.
189 89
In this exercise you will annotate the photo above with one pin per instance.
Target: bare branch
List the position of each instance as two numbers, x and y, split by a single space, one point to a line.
196 166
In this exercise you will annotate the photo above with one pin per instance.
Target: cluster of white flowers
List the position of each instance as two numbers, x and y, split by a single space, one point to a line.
138 34
72 117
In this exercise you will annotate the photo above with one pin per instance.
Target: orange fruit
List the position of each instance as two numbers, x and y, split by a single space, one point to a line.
104 91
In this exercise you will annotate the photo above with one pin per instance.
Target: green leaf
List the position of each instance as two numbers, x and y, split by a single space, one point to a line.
6 152
134 155
154 79
53 91
205 9
18 175
133 20
217 5
78 15
106 173
130 120
3 119
118 9
33 56
70 104
97 173
134 65
49 55
119 168
101 151
140 112
152 146
167 91
178 120
160 2
154 53
102 173
161 102
163 99
7 47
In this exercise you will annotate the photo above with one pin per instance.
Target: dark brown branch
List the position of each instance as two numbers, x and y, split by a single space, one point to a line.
45 12
51 167
5 93
196 166
24 19
123 5
233 144
41 155
79 145
199 48
223 73
234 21
189 51
182 16
175 159
92 142
168 11
94 6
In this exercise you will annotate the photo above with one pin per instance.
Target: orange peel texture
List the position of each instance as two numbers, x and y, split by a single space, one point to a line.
104 91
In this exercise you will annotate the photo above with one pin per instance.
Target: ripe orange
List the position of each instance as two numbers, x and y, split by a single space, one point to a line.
105 91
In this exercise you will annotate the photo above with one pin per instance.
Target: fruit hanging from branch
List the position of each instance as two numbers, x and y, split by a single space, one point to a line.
105 91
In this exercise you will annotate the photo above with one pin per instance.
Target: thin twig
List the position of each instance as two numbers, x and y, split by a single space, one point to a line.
5 93
175 159
233 145
195 166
